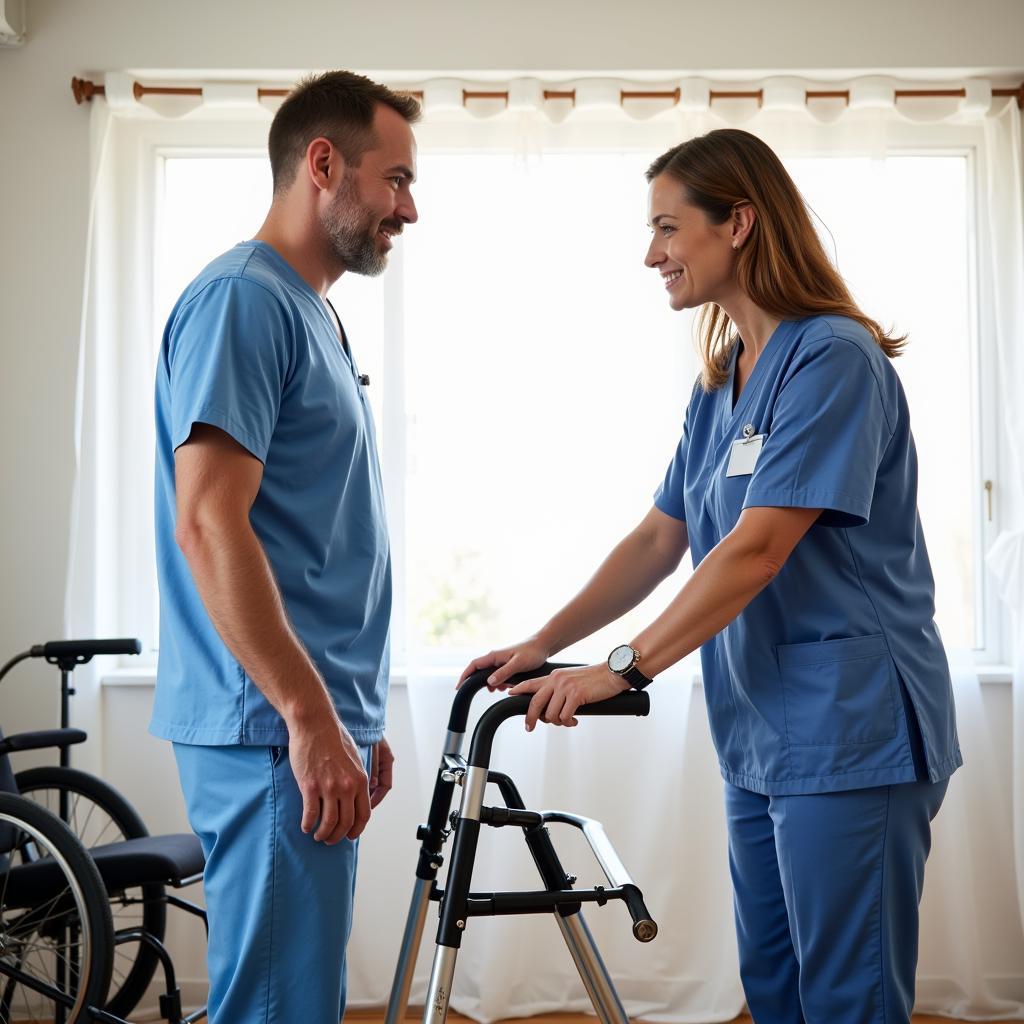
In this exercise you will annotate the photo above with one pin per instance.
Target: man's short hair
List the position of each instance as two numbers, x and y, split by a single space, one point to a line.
338 105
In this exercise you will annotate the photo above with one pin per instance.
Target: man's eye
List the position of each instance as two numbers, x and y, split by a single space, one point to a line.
398 179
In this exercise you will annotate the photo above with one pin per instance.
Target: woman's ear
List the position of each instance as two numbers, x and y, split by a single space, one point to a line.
742 223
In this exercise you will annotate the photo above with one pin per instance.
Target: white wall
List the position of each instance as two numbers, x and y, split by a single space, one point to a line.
44 166
44 177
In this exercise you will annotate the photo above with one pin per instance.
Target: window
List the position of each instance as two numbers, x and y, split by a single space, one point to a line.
532 381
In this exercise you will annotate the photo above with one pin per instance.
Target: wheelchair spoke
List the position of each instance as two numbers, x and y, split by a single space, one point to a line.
81 832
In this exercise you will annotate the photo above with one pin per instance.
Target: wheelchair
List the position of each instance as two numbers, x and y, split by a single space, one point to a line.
83 886
457 904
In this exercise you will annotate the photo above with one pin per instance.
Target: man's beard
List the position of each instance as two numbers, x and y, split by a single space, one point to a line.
351 232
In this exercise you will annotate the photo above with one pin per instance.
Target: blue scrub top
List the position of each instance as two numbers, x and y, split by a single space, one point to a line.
251 349
822 682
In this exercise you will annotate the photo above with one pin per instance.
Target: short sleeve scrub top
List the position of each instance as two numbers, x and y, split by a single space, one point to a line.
834 676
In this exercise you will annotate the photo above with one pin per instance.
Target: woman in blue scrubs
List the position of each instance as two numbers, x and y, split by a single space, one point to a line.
794 486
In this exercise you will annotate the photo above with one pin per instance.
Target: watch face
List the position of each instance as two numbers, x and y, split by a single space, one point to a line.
621 658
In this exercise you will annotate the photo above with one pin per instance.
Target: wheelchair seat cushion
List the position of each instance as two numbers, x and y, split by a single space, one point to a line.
160 859
167 859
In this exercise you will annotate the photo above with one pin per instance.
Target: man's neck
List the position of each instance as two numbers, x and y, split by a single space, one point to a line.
298 243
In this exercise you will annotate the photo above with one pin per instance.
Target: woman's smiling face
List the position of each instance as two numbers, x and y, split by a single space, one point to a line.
694 257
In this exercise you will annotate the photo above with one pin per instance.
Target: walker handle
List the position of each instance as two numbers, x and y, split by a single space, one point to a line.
644 928
632 702
459 716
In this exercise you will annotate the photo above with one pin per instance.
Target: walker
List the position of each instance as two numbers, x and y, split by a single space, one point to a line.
458 904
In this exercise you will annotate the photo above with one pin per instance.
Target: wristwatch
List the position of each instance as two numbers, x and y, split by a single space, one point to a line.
622 661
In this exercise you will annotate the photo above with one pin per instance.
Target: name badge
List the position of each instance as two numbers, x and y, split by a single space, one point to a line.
744 453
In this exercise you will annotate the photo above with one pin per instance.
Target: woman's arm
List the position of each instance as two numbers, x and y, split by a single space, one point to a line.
733 574
635 566
737 569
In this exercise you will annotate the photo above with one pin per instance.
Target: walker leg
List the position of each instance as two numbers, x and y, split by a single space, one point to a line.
454 903
441 976
398 1002
592 970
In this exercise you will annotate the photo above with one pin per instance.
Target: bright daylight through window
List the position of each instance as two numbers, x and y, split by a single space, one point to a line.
542 379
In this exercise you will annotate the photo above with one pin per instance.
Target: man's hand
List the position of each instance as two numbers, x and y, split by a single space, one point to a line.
331 779
381 772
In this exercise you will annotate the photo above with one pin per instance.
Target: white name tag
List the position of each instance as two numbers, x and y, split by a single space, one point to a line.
743 456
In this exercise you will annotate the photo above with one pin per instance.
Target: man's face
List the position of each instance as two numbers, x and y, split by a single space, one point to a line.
374 200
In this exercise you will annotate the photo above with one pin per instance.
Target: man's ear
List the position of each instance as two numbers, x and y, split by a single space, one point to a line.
324 164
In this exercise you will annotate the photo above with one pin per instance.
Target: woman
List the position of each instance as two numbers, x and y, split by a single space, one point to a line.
795 488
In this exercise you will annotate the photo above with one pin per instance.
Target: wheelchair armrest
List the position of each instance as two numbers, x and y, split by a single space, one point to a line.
40 740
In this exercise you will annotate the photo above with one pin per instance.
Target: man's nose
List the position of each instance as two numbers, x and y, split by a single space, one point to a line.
407 211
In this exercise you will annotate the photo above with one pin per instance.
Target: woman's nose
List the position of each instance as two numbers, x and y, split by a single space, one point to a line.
655 254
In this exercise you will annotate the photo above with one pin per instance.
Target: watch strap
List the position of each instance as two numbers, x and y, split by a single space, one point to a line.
636 678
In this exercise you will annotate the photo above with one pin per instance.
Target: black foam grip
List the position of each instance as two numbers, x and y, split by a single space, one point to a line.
632 702
478 681
644 928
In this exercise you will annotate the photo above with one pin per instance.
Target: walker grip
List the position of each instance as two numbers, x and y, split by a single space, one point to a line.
459 716
644 928
632 702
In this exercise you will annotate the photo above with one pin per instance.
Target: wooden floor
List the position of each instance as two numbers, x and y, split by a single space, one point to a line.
377 1016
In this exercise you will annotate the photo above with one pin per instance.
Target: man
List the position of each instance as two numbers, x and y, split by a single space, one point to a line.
274 567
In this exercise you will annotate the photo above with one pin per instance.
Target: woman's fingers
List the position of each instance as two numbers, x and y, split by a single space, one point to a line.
537 705
567 712
497 680
507 662
557 697
528 686
484 661
553 712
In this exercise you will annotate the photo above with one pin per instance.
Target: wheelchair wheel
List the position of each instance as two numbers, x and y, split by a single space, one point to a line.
56 934
97 815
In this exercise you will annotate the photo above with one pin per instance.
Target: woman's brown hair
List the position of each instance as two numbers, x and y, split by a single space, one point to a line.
782 265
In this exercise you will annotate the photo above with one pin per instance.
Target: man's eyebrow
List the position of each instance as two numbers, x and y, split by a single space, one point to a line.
401 169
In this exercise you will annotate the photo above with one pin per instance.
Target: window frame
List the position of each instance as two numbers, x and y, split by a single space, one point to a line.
128 580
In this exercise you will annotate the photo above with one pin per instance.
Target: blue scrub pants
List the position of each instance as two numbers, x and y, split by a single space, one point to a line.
827 888
279 903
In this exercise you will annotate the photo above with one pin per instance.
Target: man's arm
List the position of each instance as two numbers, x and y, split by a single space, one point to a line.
217 481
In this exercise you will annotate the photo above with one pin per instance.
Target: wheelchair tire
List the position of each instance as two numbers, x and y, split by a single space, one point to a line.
46 908
99 814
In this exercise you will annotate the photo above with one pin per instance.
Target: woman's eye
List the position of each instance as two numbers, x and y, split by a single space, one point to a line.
666 230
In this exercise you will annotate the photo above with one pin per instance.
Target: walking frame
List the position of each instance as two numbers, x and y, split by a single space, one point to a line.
458 904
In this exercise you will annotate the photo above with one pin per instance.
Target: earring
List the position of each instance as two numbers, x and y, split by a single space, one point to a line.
735 245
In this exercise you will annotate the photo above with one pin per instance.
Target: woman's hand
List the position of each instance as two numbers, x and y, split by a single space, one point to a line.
508 661
557 696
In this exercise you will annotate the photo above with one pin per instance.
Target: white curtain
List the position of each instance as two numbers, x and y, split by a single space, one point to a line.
652 781
86 614
972 948
1002 260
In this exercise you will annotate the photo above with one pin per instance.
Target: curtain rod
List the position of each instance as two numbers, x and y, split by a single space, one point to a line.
84 90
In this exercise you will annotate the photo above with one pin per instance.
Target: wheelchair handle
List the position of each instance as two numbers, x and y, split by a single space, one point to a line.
69 653
83 650
632 702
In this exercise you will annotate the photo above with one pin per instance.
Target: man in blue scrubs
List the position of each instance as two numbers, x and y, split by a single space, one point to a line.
274 566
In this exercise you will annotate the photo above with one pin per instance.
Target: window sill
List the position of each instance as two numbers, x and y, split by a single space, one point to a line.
146 677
